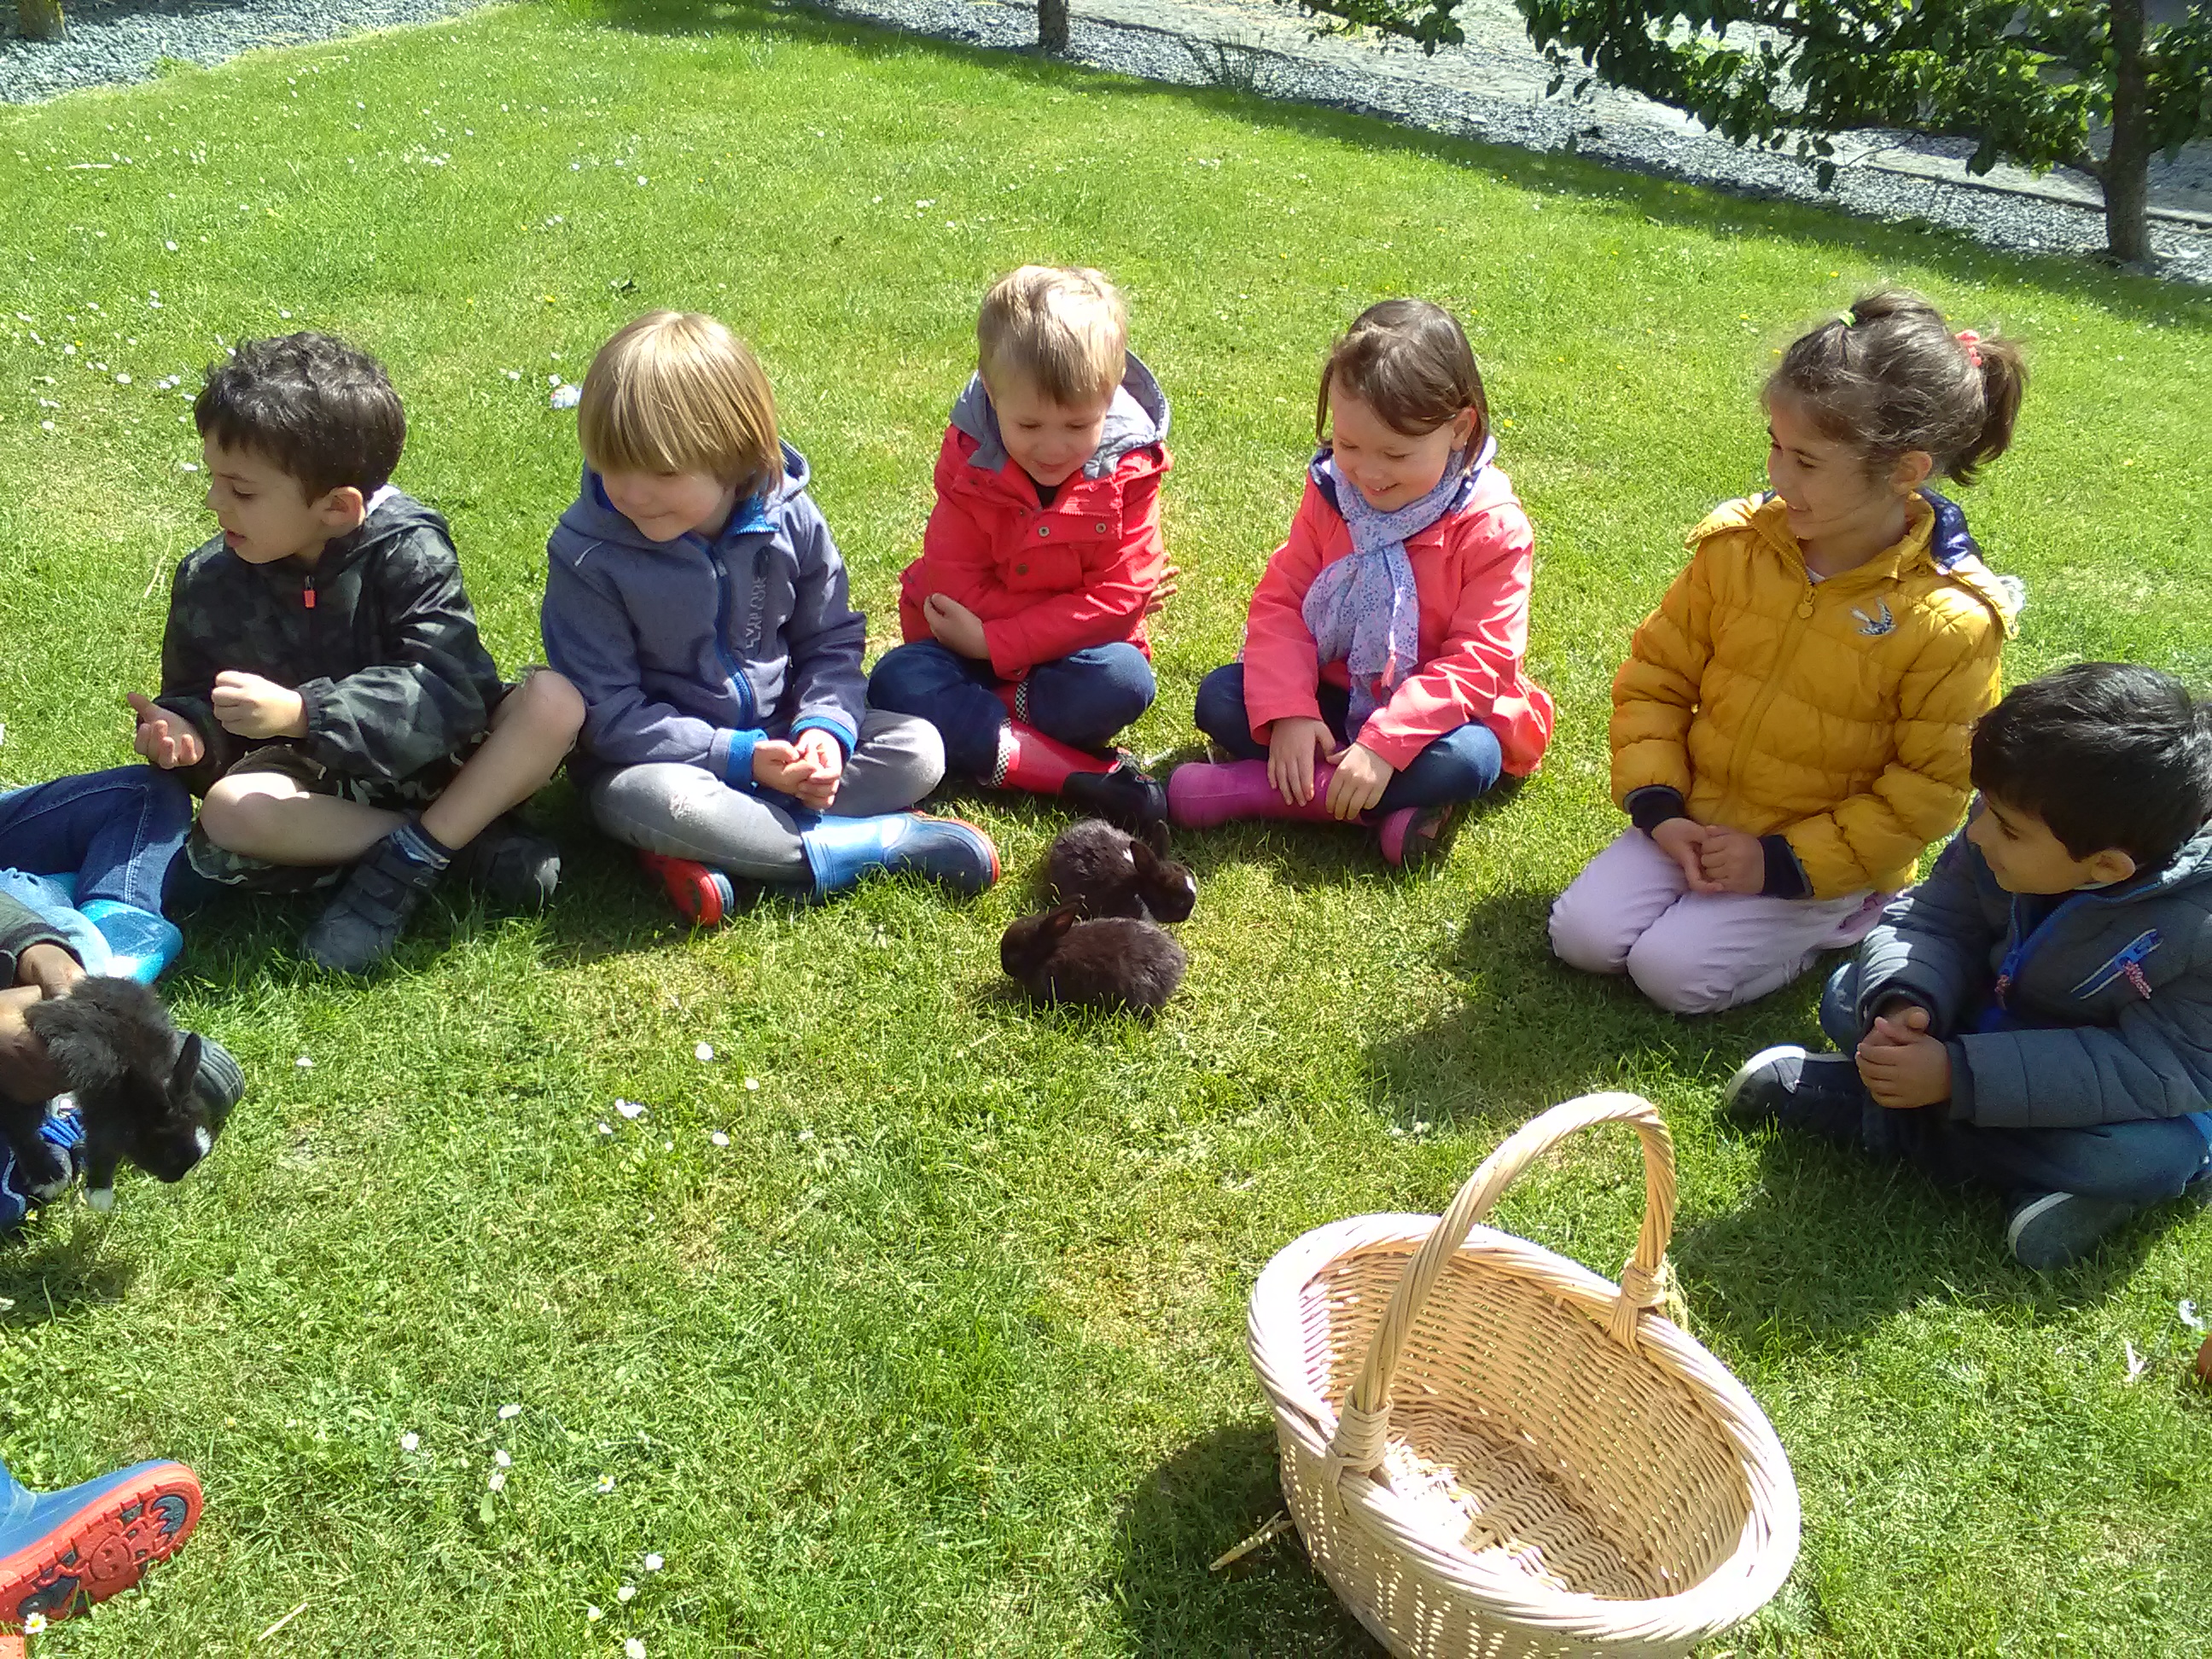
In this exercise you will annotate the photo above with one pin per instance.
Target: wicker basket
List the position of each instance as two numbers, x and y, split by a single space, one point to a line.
1491 1451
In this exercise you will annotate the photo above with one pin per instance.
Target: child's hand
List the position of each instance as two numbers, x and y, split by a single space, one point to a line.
1732 861
821 751
167 739
249 707
49 967
1901 1065
1899 1022
26 1070
1683 840
956 628
1169 584
1292 745
1361 777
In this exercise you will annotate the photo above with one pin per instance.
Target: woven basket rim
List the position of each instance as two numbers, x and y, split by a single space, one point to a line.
1735 1587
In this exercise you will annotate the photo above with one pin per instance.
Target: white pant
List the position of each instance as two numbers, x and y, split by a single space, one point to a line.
1631 911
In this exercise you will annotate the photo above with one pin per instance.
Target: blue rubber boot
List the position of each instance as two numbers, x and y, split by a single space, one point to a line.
63 1131
141 944
61 1551
840 851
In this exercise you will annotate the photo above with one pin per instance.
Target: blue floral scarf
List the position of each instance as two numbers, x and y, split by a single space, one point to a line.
1364 611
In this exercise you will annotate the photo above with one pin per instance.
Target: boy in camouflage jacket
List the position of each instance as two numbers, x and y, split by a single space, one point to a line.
322 685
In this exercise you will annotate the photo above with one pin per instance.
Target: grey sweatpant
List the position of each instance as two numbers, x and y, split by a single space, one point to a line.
687 812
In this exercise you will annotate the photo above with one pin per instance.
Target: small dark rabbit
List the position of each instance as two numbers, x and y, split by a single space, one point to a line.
1105 871
1114 961
133 1076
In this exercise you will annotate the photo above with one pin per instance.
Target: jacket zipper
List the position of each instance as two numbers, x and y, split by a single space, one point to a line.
1748 733
737 680
2016 958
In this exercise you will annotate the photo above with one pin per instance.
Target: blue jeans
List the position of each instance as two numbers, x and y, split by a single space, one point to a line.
1083 698
1460 765
2142 1162
117 832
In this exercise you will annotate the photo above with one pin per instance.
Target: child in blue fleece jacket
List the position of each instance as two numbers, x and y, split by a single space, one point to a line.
2037 1015
695 600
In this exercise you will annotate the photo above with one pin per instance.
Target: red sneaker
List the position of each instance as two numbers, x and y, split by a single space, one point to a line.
701 894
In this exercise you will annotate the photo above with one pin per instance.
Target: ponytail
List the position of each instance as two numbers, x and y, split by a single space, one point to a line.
1888 377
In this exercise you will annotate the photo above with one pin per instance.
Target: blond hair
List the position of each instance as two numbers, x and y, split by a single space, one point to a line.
675 391
1065 328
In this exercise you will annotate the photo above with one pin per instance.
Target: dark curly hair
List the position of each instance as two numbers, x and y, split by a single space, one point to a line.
321 410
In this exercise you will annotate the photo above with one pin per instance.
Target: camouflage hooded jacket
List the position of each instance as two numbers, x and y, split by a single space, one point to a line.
378 639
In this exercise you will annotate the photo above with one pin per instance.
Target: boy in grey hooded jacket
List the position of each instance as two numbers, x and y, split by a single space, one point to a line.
2037 1015
695 597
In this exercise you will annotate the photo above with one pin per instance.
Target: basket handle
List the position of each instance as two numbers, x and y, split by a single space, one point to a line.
1363 1426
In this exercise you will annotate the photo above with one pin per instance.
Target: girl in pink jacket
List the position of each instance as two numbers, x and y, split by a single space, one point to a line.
1382 678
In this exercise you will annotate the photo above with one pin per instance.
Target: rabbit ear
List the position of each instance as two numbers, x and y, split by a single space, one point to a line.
1059 921
1144 859
1156 836
185 1073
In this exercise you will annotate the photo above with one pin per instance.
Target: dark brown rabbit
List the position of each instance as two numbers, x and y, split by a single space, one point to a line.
133 1075
1103 870
1114 961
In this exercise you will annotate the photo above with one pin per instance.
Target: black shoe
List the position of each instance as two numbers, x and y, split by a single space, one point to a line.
1819 1094
513 868
1124 796
366 919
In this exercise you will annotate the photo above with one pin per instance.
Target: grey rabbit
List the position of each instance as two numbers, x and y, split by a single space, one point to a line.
133 1075
1111 963
1105 871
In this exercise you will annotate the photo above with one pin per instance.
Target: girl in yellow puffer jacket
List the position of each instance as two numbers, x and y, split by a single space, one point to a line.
1790 731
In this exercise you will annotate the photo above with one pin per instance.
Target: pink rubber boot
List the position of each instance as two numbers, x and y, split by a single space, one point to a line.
1205 794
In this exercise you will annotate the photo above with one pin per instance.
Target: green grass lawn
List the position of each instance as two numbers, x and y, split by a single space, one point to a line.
944 1352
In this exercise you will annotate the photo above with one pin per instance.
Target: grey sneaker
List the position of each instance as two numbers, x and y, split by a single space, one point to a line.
2056 1229
1818 1094
370 912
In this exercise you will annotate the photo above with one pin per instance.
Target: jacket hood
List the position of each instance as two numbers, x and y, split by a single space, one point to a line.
1941 539
1137 416
2189 867
593 515
1482 486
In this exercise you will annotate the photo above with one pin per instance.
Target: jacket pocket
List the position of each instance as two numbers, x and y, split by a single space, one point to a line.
1049 560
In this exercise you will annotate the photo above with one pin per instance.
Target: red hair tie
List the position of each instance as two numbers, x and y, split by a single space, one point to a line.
1972 340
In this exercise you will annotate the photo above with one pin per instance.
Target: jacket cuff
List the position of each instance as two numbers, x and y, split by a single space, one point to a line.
1396 749
21 927
1785 877
1962 1083
314 712
731 758
1653 805
845 734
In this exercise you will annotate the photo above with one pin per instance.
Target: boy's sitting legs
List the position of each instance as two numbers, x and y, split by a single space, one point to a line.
532 731
278 821
2065 1189
684 813
1042 732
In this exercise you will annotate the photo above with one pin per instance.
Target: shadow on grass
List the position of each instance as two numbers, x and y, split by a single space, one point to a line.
1831 1243
1192 1508
1529 1032
1827 231
53 1274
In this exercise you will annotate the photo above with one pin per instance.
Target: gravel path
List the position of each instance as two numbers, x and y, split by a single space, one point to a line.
1490 88
116 40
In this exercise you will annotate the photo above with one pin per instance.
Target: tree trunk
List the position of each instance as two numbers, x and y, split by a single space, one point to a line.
2126 175
39 20
1052 25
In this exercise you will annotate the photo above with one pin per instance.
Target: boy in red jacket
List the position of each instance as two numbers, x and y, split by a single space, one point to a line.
1024 616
